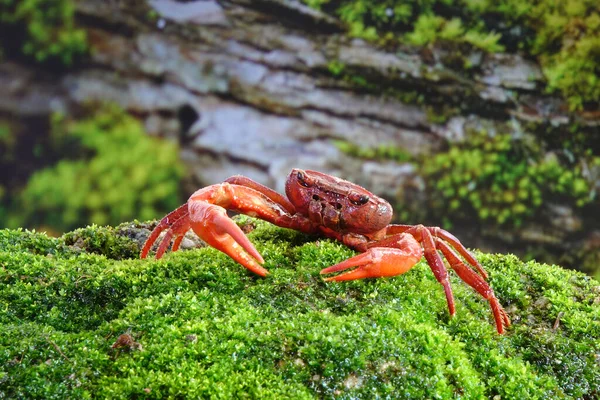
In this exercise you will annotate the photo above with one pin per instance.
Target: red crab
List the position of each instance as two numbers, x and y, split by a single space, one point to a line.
321 203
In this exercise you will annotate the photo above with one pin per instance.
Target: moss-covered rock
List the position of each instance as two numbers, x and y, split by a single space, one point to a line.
504 179
563 35
79 324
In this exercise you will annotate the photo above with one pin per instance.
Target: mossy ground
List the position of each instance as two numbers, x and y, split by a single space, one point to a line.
199 325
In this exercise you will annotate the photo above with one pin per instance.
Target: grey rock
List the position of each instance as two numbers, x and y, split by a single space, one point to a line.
510 71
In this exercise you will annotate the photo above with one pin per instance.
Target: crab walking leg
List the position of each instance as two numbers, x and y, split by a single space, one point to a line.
177 242
446 236
422 235
453 240
477 283
378 262
177 230
164 223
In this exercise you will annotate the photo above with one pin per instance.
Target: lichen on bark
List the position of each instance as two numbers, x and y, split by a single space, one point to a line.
200 325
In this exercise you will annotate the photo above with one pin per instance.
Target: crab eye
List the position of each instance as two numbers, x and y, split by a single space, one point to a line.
302 179
358 199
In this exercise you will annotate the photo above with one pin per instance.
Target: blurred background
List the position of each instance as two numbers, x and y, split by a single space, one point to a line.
479 116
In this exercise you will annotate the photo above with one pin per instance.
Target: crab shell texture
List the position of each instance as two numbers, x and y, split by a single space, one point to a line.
337 204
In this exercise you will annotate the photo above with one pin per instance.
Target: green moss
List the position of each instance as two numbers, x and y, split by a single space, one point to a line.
381 152
503 179
339 70
568 43
431 28
336 68
117 172
24 241
441 113
115 243
206 327
42 29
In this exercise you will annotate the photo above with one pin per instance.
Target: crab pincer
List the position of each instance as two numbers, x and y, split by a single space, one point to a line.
212 224
205 213
378 262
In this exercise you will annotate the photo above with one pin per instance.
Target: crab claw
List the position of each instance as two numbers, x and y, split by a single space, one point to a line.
211 223
378 262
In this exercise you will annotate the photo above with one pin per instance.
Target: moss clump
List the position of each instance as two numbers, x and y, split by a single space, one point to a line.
431 28
567 41
200 326
42 29
502 179
24 241
117 172
115 243
381 152
564 35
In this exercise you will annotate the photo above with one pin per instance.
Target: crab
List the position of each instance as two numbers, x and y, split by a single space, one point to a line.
318 203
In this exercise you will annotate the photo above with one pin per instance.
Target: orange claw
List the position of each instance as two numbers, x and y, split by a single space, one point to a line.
205 213
211 224
378 262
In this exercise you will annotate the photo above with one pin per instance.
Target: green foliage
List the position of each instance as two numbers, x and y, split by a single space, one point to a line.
118 173
412 21
431 28
572 27
336 68
42 29
208 328
381 152
24 241
111 242
501 180
564 34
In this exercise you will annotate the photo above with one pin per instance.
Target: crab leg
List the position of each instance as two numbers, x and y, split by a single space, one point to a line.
164 223
270 193
177 230
379 261
431 244
422 235
437 266
177 242
442 234
477 283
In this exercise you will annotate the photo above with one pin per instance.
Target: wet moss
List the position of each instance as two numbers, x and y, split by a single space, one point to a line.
203 326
